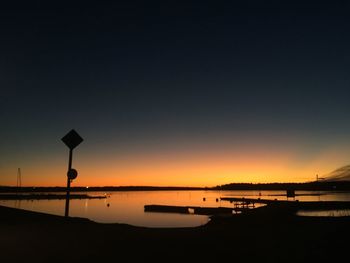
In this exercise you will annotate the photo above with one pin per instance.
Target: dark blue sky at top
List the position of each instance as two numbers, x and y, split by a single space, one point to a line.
125 71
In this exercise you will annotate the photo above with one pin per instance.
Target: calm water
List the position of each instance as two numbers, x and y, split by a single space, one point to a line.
128 207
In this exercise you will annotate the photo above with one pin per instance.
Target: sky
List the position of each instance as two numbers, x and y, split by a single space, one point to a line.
174 93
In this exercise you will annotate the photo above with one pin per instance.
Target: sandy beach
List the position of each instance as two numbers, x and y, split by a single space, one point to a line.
272 234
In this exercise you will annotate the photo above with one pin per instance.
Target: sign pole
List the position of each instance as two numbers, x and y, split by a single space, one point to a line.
72 139
68 183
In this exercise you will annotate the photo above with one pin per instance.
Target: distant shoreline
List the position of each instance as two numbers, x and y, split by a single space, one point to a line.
37 196
12 189
309 186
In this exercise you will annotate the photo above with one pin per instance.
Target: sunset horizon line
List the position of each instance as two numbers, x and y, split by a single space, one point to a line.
174 186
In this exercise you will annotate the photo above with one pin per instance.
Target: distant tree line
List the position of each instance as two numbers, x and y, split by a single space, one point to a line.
8 189
310 186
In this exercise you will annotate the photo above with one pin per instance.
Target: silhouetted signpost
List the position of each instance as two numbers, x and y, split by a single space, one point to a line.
72 139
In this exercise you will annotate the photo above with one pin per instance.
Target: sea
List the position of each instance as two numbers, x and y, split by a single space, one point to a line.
127 207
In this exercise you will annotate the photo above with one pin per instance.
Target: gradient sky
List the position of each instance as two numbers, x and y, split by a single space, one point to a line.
190 93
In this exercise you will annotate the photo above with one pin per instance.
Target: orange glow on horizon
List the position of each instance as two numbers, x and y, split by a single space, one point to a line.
198 169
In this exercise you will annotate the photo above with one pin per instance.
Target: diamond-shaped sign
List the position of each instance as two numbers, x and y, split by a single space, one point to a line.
72 139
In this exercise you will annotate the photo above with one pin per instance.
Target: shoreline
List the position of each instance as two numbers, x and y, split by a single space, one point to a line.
267 234
27 196
335 186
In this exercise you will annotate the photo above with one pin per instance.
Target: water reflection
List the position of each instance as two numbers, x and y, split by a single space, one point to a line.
18 204
322 213
128 207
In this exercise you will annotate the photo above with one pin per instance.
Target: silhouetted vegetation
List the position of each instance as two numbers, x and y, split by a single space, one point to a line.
309 186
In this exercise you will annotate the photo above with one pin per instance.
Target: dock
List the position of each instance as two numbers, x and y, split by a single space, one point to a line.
192 209
295 203
251 201
241 205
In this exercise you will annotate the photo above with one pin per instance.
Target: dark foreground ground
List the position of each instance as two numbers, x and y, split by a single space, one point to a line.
270 234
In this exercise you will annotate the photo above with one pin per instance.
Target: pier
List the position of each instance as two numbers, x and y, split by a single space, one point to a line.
193 209
250 202
241 205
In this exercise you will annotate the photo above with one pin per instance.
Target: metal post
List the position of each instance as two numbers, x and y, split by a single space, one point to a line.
68 182
72 139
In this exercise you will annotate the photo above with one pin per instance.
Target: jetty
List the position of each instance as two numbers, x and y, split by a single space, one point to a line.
241 205
192 209
247 202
